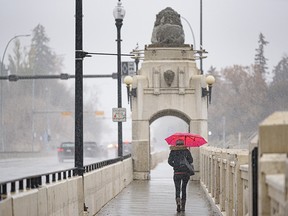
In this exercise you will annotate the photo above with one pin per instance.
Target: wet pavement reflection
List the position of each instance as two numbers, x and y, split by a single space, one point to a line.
157 197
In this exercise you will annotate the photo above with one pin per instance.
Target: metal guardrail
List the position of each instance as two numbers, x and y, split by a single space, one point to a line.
36 181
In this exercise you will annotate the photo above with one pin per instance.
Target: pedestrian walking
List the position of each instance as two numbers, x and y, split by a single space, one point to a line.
181 172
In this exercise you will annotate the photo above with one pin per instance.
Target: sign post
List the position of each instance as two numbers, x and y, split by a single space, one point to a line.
119 114
128 68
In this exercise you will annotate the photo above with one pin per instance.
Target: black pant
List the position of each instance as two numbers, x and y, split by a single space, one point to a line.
178 180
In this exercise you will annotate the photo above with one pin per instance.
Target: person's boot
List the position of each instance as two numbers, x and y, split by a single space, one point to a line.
183 202
178 203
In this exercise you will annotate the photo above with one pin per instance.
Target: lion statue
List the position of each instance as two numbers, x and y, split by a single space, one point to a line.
168 30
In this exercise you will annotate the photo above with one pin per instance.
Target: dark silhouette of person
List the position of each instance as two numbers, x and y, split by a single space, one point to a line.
181 172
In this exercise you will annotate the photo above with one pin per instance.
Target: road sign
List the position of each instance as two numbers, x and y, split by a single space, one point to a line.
119 114
65 113
128 68
99 113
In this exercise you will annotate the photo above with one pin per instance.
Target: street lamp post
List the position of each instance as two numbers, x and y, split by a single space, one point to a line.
201 42
79 56
2 61
2 101
119 14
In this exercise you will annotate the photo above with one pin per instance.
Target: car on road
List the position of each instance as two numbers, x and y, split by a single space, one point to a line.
93 149
66 150
126 147
90 149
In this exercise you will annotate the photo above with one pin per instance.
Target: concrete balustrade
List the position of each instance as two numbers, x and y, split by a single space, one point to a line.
60 198
224 177
273 154
245 189
157 157
101 186
226 174
228 186
67 197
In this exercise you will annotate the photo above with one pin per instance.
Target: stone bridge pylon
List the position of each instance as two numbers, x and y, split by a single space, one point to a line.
167 84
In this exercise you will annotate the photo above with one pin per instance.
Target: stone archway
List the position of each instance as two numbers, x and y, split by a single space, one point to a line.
168 82
161 126
170 112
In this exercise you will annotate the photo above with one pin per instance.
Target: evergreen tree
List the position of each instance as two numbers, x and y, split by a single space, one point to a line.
278 91
281 71
40 102
260 59
42 60
31 115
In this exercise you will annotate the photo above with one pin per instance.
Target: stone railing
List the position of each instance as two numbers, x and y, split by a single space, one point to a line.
274 200
273 165
224 177
67 197
157 157
242 182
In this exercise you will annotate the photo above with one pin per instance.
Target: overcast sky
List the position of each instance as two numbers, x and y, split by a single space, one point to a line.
230 32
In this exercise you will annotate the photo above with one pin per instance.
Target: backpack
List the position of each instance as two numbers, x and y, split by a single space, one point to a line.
179 160
189 166
184 163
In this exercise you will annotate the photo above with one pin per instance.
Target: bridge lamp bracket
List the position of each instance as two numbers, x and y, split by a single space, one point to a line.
210 80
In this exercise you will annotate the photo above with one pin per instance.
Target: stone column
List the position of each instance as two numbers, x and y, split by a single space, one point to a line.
141 149
273 138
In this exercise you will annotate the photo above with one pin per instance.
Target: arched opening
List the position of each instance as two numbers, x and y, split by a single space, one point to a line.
162 128
161 125
164 123
170 112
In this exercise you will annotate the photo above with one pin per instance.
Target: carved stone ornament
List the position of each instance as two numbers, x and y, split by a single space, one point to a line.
169 77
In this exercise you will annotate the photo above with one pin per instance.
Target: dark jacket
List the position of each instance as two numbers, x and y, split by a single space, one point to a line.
176 153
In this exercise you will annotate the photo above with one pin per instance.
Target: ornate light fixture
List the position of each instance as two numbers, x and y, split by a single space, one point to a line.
210 80
119 11
131 92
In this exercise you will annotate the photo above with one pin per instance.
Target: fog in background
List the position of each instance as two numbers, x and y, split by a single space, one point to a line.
230 35
164 127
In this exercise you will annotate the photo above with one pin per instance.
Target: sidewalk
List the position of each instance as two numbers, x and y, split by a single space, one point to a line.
157 197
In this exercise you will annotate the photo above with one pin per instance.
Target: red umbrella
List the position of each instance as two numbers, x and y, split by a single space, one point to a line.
190 140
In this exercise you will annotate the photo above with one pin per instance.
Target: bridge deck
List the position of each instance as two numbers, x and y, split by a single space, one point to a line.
157 197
